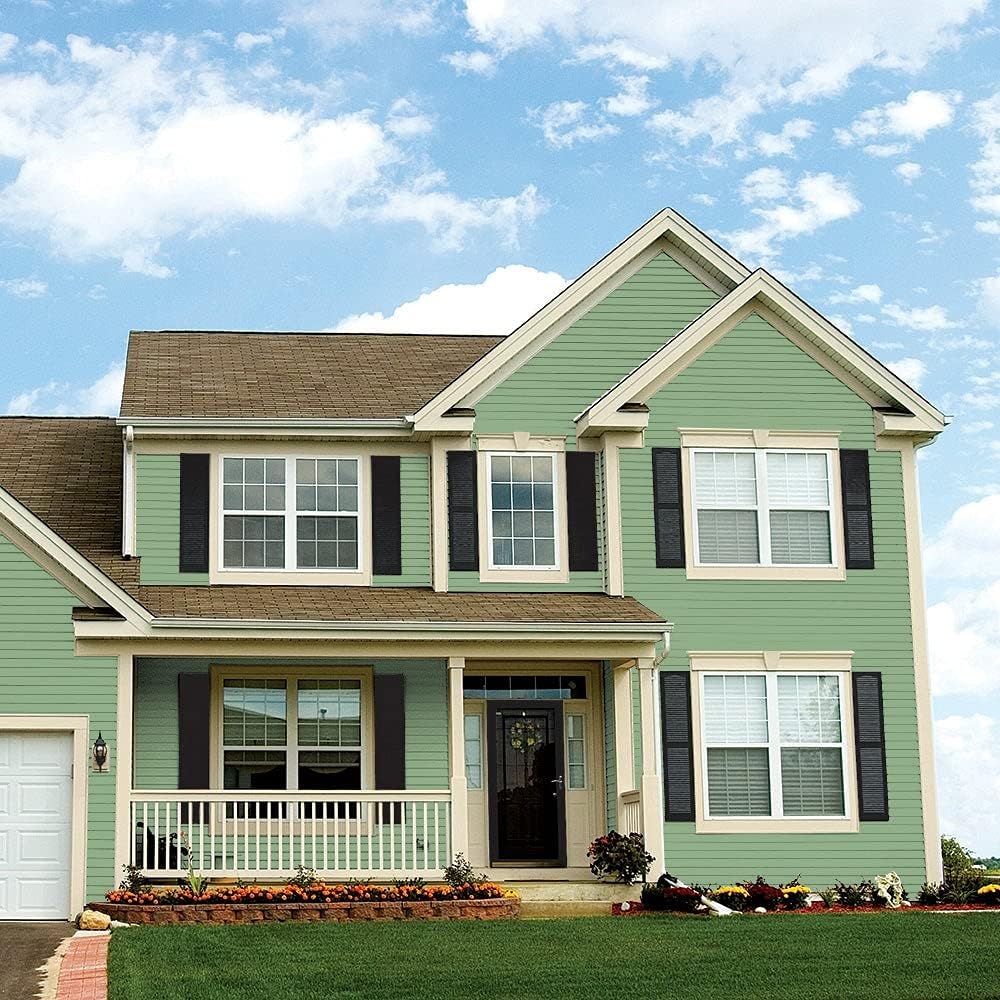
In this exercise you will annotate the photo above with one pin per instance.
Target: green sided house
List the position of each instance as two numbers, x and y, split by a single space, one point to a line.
363 602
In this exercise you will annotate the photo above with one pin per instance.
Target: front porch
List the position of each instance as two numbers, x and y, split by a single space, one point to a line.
249 767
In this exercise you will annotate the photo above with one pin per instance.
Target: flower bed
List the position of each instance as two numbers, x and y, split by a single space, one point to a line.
636 909
257 903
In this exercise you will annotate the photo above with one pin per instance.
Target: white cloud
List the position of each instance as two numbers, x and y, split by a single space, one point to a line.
975 426
885 150
968 780
121 150
985 181
762 54
477 62
964 642
618 53
498 304
65 399
863 293
783 143
450 219
8 43
25 288
910 370
565 123
968 546
909 172
246 42
703 198
632 98
988 300
406 121
337 21
924 318
910 119
814 201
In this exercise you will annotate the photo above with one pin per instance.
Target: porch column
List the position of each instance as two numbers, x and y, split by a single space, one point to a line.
122 764
456 755
624 768
651 786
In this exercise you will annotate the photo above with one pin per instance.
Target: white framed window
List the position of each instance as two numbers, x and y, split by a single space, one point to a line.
284 513
282 732
474 750
773 745
576 752
522 523
762 507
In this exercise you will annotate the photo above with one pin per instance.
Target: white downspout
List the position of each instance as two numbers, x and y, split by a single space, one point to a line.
128 492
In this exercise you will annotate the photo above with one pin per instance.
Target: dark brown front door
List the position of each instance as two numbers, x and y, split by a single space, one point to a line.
527 800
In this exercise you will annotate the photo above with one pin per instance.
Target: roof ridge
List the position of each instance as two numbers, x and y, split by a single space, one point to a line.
320 333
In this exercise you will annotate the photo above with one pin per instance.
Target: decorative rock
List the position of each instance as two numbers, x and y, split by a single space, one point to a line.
626 906
760 909
91 920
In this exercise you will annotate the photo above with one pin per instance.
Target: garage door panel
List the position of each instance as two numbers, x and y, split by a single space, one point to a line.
42 800
36 799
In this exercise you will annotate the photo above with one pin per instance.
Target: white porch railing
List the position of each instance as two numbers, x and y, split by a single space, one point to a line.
630 812
267 835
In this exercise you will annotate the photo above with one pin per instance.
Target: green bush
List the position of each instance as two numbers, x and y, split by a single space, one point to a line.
673 898
853 894
623 856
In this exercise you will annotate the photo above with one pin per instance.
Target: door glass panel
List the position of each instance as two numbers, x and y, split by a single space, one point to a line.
576 754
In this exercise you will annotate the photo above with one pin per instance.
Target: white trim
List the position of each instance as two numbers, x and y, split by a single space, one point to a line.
79 726
128 492
667 225
125 751
648 377
808 662
265 427
457 783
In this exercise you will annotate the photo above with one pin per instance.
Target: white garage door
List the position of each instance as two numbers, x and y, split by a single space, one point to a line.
36 796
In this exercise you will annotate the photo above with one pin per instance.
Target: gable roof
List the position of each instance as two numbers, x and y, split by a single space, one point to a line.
667 229
283 376
819 335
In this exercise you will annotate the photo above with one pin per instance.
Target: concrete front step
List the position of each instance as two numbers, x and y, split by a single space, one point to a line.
604 893
545 909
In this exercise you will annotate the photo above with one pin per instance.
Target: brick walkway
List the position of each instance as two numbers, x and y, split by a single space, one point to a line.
84 971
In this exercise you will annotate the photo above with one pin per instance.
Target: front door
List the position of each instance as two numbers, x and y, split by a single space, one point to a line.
526 771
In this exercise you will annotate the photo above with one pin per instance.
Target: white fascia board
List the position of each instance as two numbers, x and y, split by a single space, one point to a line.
80 568
222 628
306 427
854 359
665 223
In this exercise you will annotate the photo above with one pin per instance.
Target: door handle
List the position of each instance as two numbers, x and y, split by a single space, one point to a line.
559 783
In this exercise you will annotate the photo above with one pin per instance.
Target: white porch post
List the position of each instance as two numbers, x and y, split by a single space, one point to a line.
624 768
123 763
651 787
456 755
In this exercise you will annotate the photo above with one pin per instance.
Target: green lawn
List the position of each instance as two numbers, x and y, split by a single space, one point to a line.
915 955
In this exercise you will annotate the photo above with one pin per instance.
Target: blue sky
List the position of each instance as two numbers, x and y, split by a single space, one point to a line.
435 165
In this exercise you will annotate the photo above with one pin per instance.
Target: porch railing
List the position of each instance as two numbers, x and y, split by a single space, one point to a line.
630 812
267 835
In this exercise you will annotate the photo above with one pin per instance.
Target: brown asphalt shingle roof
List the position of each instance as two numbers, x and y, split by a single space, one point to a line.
288 375
395 604
67 472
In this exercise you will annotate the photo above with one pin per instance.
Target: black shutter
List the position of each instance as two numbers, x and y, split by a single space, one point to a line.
869 740
855 485
668 514
193 707
390 739
463 527
194 514
678 747
581 509
387 527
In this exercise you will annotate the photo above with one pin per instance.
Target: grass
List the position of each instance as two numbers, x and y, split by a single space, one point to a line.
922 956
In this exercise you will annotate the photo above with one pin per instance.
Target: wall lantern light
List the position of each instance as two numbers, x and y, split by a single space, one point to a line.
100 753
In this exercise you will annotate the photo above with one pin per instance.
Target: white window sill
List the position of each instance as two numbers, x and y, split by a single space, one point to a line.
771 824
747 572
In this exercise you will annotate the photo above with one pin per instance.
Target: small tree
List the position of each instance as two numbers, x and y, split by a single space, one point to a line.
956 861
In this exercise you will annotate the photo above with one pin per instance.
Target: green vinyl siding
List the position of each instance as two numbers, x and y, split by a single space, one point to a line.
155 719
620 332
39 675
415 504
755 378
157 520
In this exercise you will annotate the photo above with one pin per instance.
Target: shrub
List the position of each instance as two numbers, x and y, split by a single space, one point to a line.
763 894
624 857
930 893
796 895
134 880
959 893
852 895
460 872
956 861
305 878
733 896
675 898
989 894
829 897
